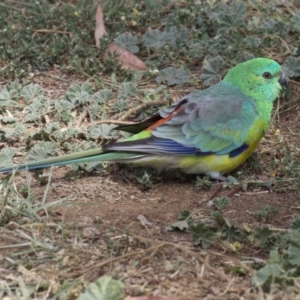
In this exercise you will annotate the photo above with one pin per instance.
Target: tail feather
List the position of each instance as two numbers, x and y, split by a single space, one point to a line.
92 155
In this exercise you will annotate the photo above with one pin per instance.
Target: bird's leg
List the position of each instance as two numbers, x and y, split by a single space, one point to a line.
218 176
228 181
216 191
234 190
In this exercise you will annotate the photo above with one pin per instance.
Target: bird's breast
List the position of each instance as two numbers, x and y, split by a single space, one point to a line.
226 163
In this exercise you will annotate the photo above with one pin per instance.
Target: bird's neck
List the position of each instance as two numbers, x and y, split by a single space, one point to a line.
264 110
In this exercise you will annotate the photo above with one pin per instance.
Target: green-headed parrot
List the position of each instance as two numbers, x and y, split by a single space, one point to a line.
210 131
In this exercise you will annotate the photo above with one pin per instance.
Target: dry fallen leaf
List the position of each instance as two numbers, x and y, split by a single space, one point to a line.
100 27
126 58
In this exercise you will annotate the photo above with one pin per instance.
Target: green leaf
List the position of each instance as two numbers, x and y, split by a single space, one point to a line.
120 105
51 127
8 120
102 96
268 272
153 5
41 151
36 109
63 110
266 213
127 90
155 38
291 67
31 92
231 21
211 71
202 235
100 131
64 135
80 97
220 203
176 38
105 288
274 256
232 16
16 131
5 160
8 95
203 182
10 151
263 236
185 215
295 223
217 216
294 248
195 50
179 225
79 94
183 223
231 233
128 42
254 42
95 111
173 76
76 88
295 21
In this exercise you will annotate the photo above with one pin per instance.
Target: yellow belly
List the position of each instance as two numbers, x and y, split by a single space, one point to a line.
193 164
208 164
214 163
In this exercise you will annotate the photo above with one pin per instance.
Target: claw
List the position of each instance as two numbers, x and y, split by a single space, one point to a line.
227 181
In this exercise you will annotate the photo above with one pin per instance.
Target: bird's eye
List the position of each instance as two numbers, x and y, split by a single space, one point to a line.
267 75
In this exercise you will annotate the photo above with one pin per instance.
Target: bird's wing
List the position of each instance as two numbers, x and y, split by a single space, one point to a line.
148 122
218 120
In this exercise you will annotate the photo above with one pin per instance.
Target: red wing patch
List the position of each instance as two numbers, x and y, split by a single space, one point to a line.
164 120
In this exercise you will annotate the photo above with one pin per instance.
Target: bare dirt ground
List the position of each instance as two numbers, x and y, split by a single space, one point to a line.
104 206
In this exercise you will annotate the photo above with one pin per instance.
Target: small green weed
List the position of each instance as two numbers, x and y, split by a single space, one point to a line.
284 247
266 213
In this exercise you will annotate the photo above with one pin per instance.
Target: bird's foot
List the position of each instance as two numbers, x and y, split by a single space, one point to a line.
226 181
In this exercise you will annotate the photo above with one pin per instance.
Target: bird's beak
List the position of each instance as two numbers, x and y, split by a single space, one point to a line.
283 81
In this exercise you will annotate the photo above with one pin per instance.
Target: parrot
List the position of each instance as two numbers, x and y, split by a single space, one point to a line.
210 131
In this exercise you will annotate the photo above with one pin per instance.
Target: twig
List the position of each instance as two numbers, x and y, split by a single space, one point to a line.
227 288
94 266
16 246
185 250
248 269
154 249
81 118
200 258
276 112
290 108
282 41
51 31
295 82
117 122
54 77
256 193
140 107
46 118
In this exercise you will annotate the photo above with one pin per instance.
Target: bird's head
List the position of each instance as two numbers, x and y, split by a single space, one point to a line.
260 79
